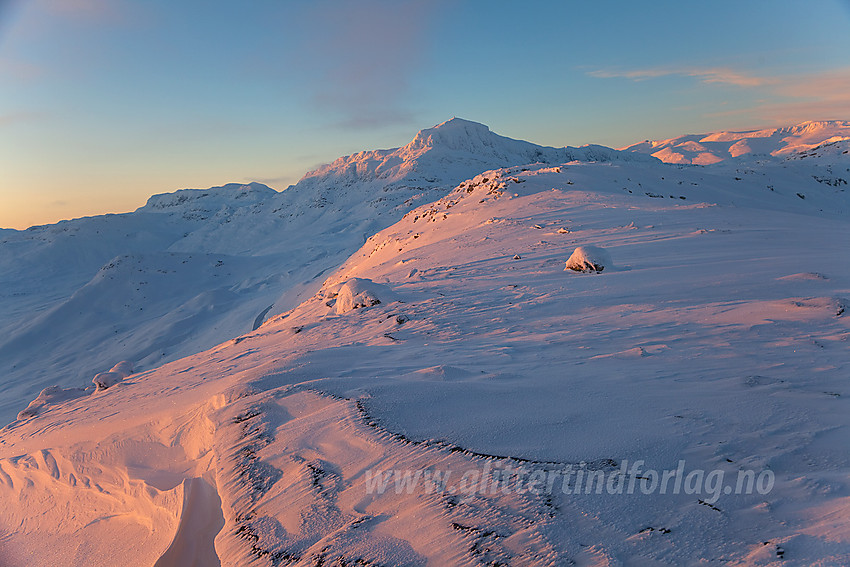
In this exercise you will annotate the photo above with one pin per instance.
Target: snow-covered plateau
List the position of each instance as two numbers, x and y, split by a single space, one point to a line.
392 362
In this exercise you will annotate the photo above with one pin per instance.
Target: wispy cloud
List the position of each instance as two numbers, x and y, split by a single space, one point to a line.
829 86
810 96
722 75
24 23
359 58
782 98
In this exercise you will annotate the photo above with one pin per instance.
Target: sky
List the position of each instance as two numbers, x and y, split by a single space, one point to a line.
106 102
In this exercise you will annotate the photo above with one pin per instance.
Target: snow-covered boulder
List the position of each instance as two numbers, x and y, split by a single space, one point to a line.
49 396
360 292
589 259
104 380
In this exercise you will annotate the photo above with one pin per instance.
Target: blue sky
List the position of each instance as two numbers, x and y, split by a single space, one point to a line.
105 102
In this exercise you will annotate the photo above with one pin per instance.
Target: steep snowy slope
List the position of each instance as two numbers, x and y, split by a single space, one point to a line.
453 347
77 294
706 149
195 267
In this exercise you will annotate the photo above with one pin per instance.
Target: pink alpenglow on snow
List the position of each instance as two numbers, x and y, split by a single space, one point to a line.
708 149
589 259
48 396
359 292
104 380
416 396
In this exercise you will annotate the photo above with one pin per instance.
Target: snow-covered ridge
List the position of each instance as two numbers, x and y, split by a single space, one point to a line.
707 149
453 341
224 255
835 152
455 146
202 265
211 198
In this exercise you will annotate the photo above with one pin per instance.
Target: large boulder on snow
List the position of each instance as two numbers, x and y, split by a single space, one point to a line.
360 292
115 374
589 259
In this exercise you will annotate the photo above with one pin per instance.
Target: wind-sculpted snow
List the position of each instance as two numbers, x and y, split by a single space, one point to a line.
468 401
50 395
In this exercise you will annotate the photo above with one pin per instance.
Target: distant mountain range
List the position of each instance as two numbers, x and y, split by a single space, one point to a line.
707 149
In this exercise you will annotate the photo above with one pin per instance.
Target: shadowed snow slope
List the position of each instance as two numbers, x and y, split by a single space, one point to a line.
718 343
195 267
706 149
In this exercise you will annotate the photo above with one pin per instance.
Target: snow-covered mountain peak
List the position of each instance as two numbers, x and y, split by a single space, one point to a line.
707 149
456 134
450 152
212 198
821 127
789 137
456 143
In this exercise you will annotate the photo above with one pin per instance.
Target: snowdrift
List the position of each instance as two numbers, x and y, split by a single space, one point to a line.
48 396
